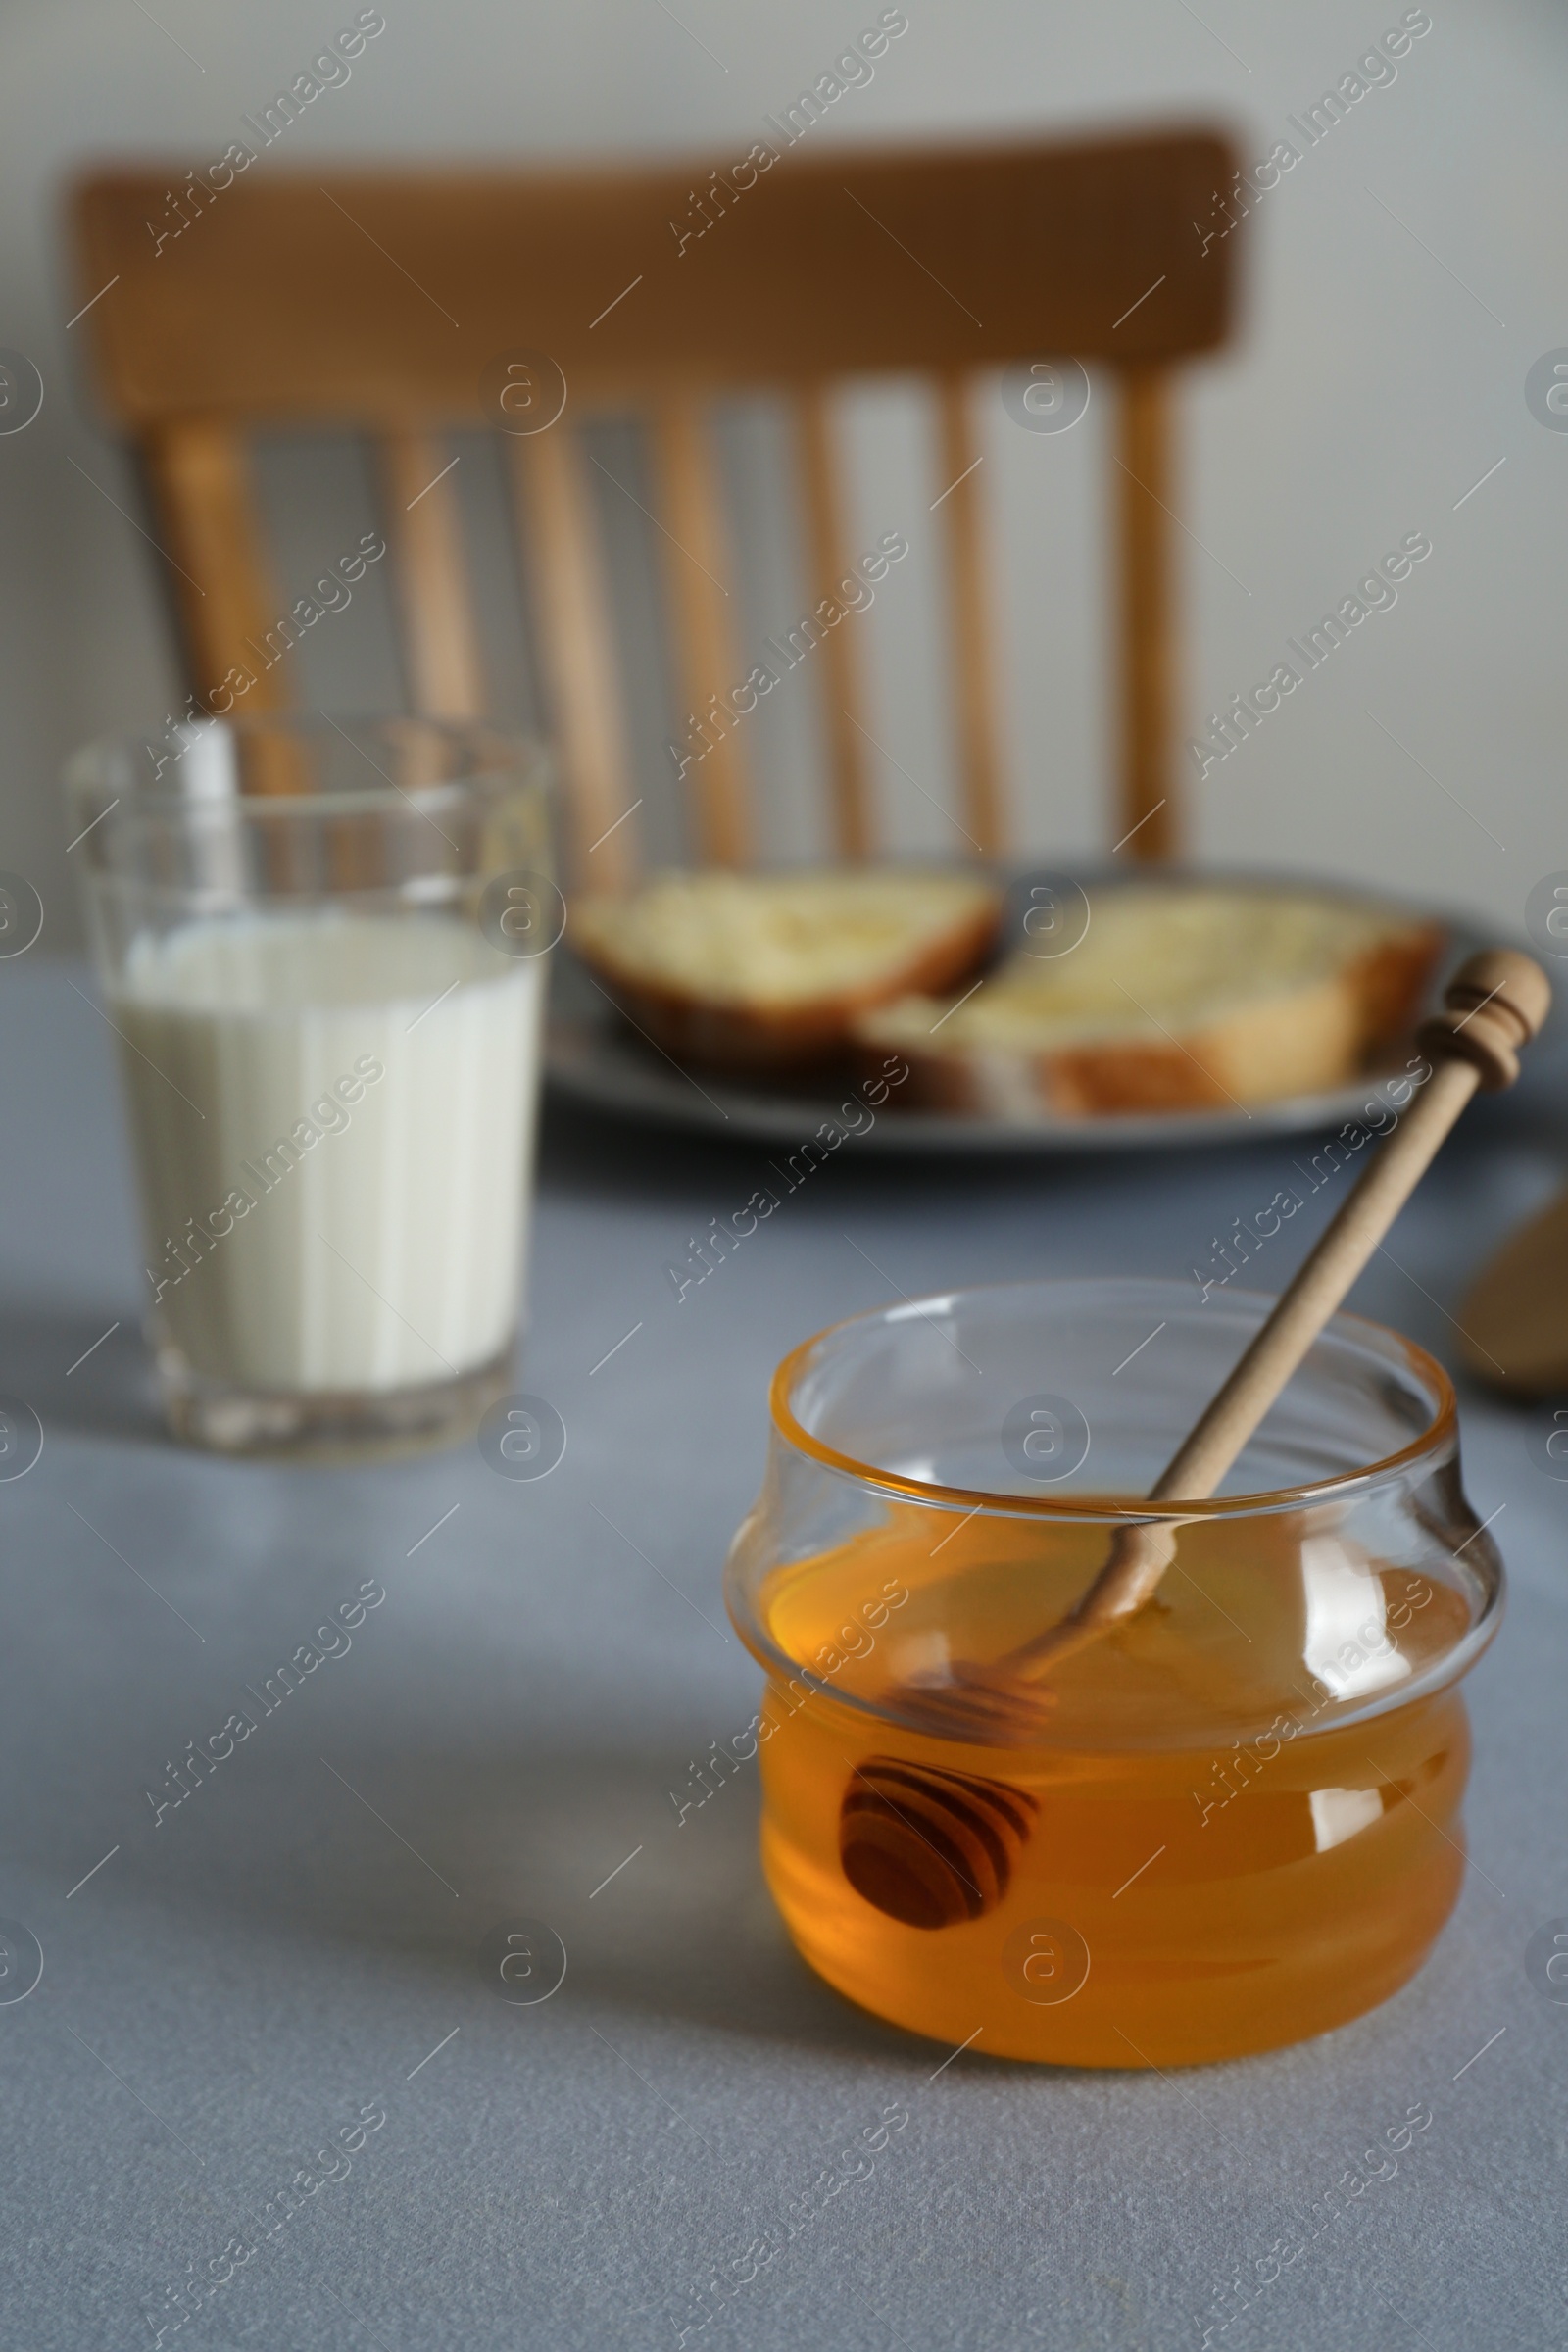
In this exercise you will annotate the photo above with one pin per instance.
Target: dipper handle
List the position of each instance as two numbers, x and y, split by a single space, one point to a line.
1494 1003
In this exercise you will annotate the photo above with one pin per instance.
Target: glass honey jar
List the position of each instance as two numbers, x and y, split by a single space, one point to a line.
1231 1822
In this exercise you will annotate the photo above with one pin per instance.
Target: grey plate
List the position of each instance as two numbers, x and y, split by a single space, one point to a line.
595 1056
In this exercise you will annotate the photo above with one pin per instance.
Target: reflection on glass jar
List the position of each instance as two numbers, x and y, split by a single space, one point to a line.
1232 1822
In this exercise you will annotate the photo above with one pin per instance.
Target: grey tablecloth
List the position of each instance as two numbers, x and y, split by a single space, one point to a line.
291 1953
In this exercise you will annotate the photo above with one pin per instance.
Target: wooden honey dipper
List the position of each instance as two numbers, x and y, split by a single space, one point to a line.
933 1847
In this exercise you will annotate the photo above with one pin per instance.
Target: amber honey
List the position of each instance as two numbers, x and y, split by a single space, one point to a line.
1241 1808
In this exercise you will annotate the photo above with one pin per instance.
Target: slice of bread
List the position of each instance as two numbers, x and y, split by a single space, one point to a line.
1176 998
759 972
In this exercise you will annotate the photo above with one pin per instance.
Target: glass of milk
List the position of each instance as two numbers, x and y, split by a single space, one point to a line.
323 949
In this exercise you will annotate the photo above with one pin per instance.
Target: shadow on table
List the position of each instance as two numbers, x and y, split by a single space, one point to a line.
85 1370
417 1853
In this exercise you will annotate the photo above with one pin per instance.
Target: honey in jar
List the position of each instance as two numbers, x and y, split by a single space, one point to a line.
1229 1822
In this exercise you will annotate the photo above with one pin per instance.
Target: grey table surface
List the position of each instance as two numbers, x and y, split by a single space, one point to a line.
236 1981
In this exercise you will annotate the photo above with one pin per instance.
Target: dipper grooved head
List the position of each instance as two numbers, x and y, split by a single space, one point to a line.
1494 1003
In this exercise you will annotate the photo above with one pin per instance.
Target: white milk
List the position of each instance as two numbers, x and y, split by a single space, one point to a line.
333 1118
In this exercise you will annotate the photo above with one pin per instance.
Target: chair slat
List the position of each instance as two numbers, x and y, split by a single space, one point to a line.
198 470
387 295
571 612
440 641
970 610
847 777
700 611
1148 786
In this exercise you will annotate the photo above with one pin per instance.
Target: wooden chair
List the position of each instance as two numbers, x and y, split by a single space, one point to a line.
391 305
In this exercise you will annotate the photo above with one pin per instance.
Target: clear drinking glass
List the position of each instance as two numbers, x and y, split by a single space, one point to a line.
1232 1822
321 946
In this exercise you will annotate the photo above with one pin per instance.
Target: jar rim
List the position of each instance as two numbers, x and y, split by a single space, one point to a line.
1080 1507
523 764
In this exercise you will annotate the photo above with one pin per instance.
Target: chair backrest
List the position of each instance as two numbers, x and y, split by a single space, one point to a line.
404 305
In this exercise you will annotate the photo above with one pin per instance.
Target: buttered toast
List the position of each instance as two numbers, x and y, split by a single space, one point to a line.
1176 998
760 972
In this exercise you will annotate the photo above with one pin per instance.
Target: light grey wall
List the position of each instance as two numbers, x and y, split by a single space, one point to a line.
1401 280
